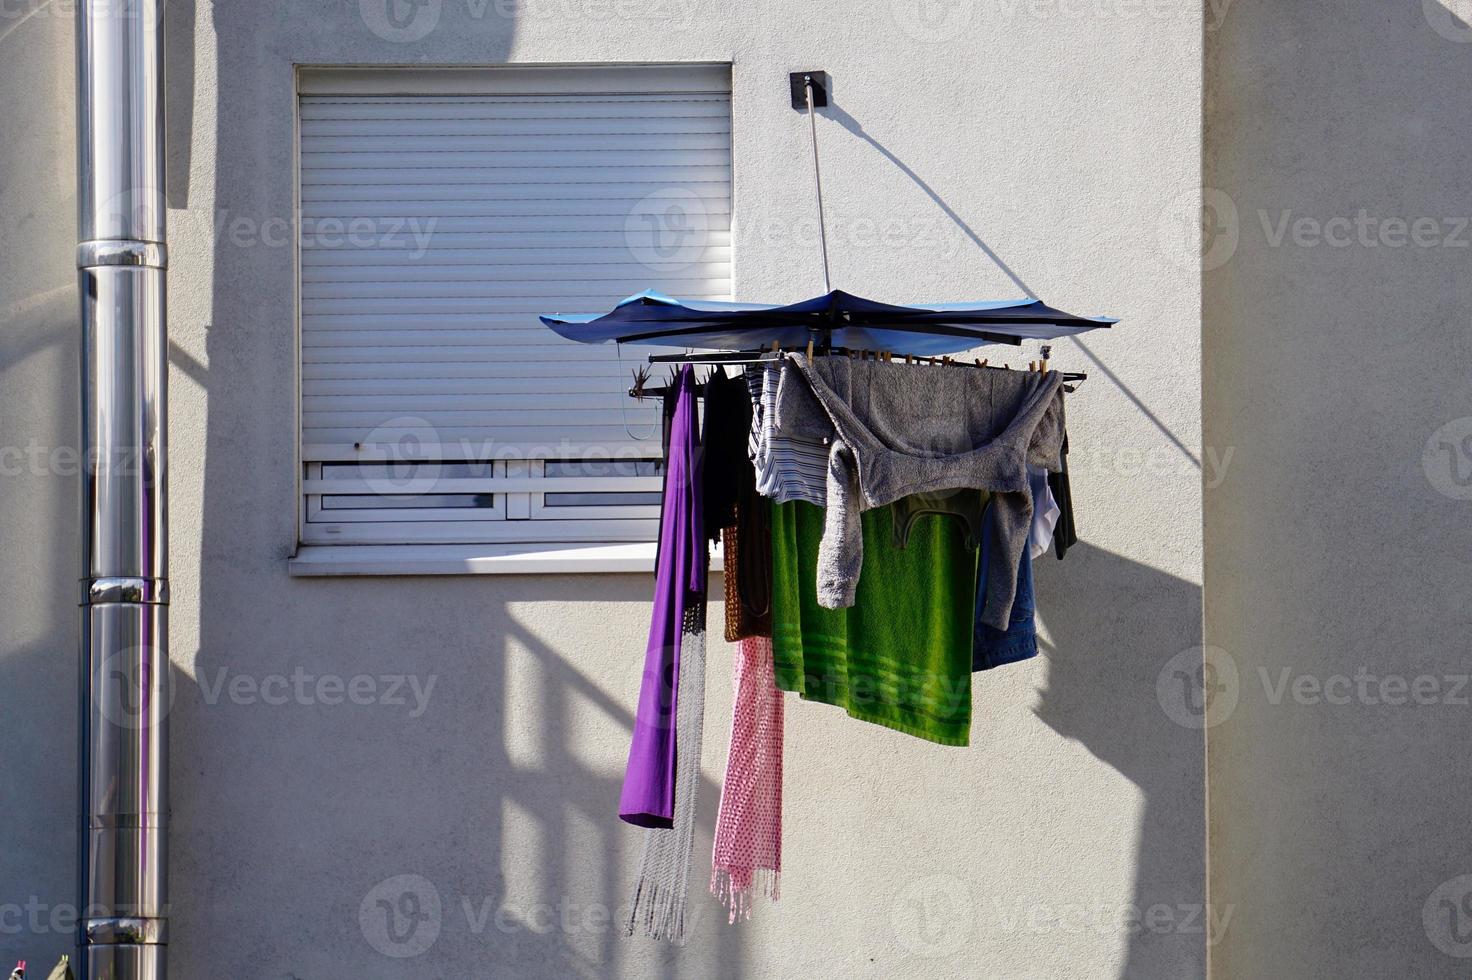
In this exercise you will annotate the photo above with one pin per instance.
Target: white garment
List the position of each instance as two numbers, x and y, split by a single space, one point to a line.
1045 512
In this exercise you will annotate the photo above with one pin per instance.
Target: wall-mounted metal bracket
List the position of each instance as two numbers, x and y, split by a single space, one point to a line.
797 82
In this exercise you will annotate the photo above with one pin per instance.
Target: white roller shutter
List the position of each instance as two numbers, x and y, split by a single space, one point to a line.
441 212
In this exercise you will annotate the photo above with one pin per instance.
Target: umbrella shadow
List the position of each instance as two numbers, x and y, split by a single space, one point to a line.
837 113
1104 656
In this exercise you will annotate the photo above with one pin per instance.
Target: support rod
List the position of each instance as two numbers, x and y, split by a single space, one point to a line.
121 262
807 84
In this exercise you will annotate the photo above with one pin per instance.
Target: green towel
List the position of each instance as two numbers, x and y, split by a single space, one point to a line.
900 656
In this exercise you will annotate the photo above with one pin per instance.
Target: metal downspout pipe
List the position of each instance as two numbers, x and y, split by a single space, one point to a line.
124 690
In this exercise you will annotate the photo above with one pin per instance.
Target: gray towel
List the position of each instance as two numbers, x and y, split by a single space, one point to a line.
903 429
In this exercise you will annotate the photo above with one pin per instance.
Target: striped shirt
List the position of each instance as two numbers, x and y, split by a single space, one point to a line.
791 464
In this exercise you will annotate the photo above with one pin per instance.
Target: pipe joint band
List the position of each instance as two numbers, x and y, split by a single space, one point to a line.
125 931
133 820
141 591
105 252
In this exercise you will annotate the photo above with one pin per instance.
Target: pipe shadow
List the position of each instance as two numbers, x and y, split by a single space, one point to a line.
40 466
178 100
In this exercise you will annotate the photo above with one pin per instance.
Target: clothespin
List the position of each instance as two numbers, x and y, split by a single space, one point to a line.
1047 355
909 359
641 378
810 349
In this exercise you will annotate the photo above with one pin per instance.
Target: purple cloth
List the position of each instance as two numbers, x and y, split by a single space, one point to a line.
648 798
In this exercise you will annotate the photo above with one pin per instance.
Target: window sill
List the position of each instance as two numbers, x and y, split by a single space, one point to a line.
313 561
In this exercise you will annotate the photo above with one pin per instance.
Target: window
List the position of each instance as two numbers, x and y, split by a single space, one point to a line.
442 210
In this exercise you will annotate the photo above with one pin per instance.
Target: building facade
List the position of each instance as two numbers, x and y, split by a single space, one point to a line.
401 711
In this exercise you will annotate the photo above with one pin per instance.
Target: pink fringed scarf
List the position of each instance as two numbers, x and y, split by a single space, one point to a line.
748 841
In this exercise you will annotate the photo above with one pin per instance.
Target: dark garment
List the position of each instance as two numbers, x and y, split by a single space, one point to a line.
734 512
966 506
726 467
667 413
992 647
648 796
748 557
1065 535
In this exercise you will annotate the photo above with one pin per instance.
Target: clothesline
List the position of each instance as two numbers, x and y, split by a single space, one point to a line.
740 358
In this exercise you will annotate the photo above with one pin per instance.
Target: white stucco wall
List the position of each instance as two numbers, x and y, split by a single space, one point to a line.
1066 841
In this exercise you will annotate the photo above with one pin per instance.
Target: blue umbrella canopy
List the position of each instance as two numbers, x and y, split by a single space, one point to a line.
837 318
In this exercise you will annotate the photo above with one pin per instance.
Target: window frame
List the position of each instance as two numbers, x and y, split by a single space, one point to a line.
520 533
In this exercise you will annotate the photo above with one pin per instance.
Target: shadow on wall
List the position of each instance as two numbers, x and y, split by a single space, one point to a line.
38 655
39 486
855 127
379 843
1105 690
471 839
40 466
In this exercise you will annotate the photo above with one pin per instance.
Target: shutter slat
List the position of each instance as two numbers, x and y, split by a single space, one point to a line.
612 243
462 369
398 231
466 329
400 358
544 112
463 440
521 174
432 309
400 403
498 151
550 261
447 280
331 389
610 187
469 210
476 532
650 128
